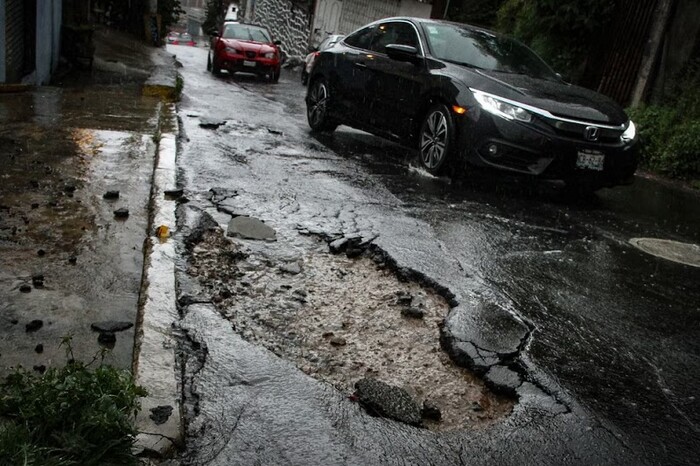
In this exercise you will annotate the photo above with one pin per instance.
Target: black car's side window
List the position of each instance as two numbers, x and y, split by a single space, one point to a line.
361 39
394 33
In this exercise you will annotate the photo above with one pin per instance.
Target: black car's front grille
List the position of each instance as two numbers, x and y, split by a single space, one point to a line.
578 131
251 54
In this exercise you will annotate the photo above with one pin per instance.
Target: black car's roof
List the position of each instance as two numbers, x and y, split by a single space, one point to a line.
417 20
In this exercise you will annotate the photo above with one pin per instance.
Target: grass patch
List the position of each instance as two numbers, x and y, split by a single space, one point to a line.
74 415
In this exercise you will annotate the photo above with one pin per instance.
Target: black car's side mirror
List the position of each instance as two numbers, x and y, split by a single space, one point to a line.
312 49
402 53
214 33
277 42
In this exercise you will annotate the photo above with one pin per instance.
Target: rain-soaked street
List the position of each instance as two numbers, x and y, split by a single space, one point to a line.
529 318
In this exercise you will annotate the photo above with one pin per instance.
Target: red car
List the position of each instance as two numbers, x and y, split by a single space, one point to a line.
245 48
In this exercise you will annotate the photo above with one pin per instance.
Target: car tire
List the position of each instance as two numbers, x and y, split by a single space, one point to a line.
216 71
304 77
436 140
317 102
209 61
276 76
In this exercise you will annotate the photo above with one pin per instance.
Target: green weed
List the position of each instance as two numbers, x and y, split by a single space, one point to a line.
74 415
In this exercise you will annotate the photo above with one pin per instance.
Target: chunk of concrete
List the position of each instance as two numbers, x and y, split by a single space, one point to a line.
388 401
250 228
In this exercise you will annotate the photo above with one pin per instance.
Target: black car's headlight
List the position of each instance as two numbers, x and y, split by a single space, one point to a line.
630 133
500 107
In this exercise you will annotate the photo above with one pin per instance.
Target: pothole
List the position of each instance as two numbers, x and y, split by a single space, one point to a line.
682 253
341 320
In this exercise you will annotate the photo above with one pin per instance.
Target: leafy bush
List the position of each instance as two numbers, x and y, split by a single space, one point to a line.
670 142
68 416
670 133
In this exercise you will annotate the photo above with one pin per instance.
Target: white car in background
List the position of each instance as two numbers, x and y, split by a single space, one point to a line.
327 43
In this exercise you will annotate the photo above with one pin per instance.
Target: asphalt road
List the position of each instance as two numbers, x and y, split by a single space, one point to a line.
602 338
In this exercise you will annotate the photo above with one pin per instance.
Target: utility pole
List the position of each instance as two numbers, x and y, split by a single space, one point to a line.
447 7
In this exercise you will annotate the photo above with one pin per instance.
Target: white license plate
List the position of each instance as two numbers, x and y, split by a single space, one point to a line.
249 63
590 160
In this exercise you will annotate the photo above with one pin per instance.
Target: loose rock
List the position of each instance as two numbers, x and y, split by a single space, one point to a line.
39 348
111 195
431 411
388 401
38 281
111 326
34 325
293 268
338 341
25 288
161 414
122 212
413 312
72 260
250 228
107 339
41 252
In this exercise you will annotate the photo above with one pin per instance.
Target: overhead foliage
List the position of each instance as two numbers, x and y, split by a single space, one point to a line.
478 12
169 11
562 31
214 16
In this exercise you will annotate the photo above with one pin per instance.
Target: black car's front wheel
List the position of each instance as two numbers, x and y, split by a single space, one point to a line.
436 139
317 103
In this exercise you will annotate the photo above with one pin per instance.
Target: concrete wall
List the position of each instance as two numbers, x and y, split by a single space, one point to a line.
48 39
2 41
415 8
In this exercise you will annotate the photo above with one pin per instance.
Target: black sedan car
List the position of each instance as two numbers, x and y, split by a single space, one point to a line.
460 93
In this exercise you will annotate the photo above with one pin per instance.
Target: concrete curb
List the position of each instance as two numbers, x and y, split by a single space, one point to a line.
160 419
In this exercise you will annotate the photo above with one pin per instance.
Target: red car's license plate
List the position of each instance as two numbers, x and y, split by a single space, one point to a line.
590 160
249 63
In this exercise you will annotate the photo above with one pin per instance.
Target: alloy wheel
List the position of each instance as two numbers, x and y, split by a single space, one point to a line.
433 143
318 100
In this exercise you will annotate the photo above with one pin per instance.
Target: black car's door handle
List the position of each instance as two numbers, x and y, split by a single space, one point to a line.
359 64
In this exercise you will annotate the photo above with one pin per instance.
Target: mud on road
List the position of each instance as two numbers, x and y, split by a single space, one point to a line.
340 319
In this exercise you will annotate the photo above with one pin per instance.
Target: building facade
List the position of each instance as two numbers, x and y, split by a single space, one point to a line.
30 40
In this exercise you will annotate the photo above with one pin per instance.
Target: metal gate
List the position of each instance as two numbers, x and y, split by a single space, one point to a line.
616 70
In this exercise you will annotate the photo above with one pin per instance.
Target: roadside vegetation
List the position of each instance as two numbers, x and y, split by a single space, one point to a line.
670 132
74 415
566 33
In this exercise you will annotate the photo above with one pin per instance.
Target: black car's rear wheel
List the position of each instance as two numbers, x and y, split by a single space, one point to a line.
209 61
317 104
436 139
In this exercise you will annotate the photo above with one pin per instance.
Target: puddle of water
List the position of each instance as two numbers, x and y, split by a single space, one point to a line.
340 320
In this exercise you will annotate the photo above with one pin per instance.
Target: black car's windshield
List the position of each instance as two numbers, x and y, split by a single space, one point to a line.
481 49
245 32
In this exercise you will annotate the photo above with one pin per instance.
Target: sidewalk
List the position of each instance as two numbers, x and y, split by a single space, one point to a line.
70 265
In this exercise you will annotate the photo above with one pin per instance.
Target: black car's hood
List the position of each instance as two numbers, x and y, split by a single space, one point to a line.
556 97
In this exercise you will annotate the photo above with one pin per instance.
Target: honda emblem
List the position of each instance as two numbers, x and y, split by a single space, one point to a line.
591 133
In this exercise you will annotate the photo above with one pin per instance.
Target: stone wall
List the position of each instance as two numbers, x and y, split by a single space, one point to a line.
287 23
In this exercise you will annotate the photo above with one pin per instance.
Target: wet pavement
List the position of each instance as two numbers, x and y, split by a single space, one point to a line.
548 301
67 261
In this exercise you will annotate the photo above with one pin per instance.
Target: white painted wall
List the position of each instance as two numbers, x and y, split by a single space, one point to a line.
2 41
